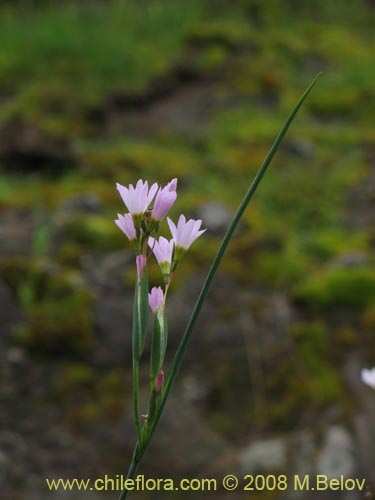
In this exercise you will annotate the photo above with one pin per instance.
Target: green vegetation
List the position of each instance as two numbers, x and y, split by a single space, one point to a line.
61 328
198 89
88 394
72 55
348 288
57 305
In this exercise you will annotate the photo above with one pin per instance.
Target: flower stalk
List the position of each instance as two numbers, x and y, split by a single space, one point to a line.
183 235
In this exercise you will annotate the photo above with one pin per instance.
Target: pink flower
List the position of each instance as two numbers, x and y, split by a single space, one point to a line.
162 249
368 377
126 224
186 232
155 298
141 263
164 200
139 198
159 382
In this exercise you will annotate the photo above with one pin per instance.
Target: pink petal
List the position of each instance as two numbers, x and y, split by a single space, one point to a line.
172 227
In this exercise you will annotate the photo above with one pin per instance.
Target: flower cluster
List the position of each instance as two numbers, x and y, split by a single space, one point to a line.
147 207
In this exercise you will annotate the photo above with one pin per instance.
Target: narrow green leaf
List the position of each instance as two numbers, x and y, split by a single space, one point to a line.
155 350
152 405
144 310
177 360
140 315
140 322
136 322
159 343
164 339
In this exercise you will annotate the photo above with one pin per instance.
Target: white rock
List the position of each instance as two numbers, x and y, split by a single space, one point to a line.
262 456
336 456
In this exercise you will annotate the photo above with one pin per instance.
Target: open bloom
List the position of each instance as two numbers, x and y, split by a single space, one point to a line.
163 250
368 377
126 224
139 198
186 232
164 200
155 298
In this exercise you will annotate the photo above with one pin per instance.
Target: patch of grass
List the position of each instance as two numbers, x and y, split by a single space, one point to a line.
336 288
328 243
125 159
56 59
60 62
280 12
87 394
230 31
57 307
314 346
305 381
93 232
59 328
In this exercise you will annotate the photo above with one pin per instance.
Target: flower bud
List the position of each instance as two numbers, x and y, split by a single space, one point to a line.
141 263
163 251
159 382
164 200
155 298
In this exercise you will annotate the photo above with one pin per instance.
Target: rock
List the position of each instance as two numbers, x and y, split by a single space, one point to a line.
3 463
351 259
87 203
16 233
215 217
302 447
113 308
185 110
365 437
300 147
185 442
337 454
11 314
15 356
264 456
26 148
107 272
193 389
113 322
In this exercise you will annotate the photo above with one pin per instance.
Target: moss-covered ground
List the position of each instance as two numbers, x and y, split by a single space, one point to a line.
121 84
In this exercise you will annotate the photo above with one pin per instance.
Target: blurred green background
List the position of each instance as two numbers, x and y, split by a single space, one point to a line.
98 92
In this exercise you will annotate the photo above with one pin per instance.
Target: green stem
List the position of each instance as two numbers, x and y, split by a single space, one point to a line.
131 472
136 396
140 319
152 404
177 360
